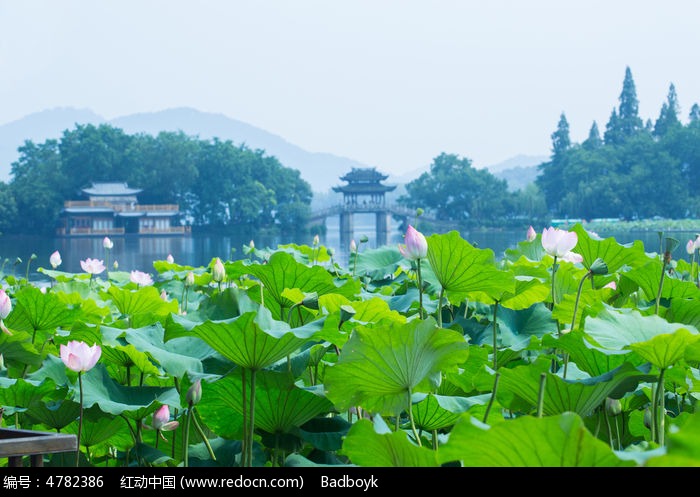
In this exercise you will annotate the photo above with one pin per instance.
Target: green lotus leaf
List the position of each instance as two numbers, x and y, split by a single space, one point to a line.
366 447
530 251
516 328
665 350
528 292
34 311
19 394
617 329
378 264
590 303
56 414
97 427
686 311
254 340
436 412
375 310
553 441
560 395
282 272
614 254
112 398
648 277
177 356
463 269
325 433
589 358
17 349
379 366
475 364
145 300
280 405
306 254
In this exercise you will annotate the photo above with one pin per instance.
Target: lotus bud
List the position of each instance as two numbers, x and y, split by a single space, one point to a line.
164 295
531 234
317 240
107 243
613 407
353 246
5 304
251 244
194 393
170 258
419 212
218 272
55 259
115 265
599 267
690 247
189 279
416 246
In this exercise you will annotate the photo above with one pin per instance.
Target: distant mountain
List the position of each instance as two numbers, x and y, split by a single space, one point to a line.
39 127
320 170
518 177
524 161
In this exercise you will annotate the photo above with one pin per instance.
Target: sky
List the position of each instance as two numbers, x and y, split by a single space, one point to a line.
391 84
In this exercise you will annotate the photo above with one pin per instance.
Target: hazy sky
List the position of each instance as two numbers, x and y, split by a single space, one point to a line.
389 83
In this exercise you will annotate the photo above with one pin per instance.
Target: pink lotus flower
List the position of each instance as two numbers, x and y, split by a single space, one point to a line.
416 246
92 266
79 357
531 234
170 258
141 278
107 243
612 285
558 242
572 257
55 259
161 419
5 304
690 247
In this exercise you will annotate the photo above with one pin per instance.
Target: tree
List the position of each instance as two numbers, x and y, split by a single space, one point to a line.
629 121
560 138
668 117
454 191
593 141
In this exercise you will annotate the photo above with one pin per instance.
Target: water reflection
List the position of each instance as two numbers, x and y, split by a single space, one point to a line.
134 252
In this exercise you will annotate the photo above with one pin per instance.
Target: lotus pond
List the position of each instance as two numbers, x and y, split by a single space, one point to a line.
286 358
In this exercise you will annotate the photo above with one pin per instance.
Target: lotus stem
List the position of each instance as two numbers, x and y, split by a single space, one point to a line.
204 437
244 447
661 285
186 438
439 307
660 409
410 417
251 433
493 396
540 395
495 337
420 290
607 426
80 419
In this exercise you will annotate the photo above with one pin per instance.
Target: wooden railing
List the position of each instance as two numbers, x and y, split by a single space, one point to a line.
122 207
162 231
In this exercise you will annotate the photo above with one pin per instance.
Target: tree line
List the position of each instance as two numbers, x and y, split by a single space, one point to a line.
218 186
635 170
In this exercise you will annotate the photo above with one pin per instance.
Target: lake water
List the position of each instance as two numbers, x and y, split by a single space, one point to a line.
133 252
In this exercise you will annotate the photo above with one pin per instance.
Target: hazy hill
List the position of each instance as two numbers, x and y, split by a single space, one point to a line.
321 170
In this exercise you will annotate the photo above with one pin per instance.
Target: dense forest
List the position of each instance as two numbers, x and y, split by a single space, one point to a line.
219 186
635 170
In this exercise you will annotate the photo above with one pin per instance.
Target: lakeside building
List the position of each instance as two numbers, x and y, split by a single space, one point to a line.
112 208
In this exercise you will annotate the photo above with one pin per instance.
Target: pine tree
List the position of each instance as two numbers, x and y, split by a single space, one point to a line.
694 116
668 117
593 141
629 120
560 138
613 134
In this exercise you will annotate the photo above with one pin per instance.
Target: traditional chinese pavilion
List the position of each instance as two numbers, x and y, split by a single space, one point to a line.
364 193
112 208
